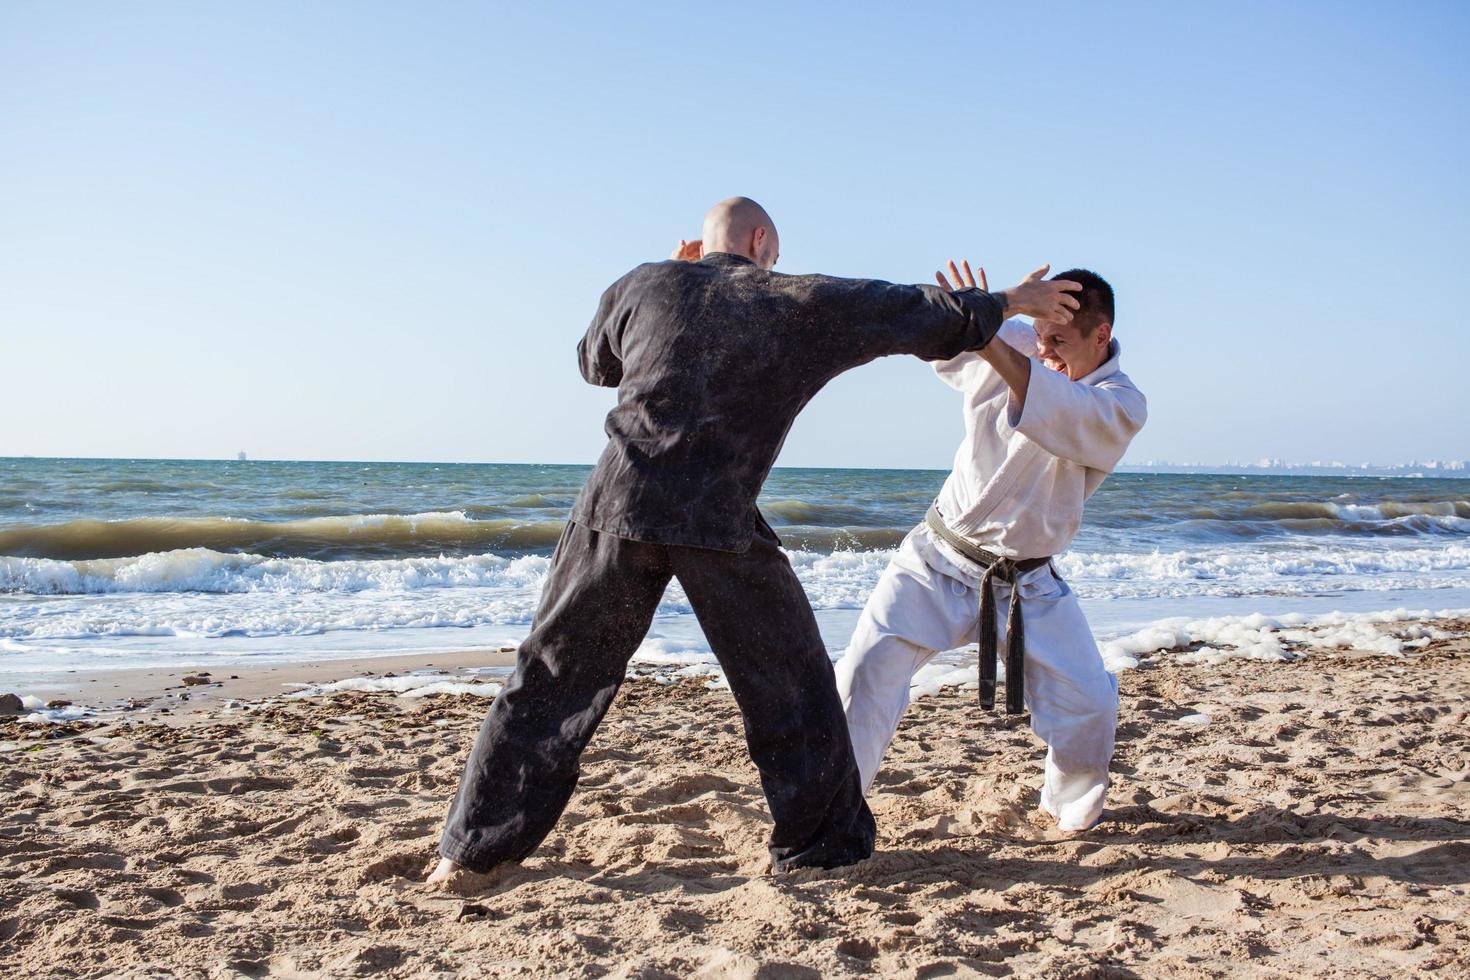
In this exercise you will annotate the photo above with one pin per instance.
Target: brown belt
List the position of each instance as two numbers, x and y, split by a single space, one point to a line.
997 569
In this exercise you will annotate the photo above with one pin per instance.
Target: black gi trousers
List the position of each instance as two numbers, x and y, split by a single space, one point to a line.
598 603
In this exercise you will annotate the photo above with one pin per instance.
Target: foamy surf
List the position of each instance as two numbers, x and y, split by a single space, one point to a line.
415 685
116 563
197 595
1206 643
838 578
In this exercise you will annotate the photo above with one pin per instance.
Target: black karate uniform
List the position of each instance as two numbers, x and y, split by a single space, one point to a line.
712 360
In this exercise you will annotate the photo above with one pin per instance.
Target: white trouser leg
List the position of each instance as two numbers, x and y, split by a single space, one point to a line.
1072 698
917 610
914 612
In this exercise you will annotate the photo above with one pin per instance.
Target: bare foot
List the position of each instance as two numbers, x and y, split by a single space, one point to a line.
459 880
443 872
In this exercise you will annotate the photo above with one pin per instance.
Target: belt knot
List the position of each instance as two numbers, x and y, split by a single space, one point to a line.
997 569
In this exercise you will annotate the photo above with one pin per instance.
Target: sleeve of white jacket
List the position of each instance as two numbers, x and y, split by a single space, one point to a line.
969 370
1087 424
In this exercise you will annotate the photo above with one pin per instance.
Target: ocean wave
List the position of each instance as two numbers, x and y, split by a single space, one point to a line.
833 579
354 536
1258 566
1387 510
204 570
835 540
1277 518
793 512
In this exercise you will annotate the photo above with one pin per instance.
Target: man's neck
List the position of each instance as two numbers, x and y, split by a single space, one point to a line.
1082 372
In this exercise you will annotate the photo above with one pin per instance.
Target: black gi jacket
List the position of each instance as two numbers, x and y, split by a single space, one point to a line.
713 360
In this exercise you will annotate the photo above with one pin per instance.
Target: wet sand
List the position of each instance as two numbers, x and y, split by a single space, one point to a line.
1318 824
131 691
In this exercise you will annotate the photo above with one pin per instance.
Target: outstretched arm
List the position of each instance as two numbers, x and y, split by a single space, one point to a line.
939 324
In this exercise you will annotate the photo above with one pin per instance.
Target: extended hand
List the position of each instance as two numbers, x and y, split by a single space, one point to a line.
966 281
688 251
1043 299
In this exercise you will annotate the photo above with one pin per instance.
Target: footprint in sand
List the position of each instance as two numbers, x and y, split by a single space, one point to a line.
685 788
79 899
403 864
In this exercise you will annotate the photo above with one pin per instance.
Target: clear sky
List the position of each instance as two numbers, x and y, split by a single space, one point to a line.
350 230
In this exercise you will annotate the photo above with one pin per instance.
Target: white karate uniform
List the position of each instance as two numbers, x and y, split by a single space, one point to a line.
1017 489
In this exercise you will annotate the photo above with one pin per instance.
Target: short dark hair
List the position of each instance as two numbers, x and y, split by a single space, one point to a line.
1095 299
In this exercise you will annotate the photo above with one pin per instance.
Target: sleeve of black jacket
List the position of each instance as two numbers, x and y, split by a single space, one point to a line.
598 353
935 324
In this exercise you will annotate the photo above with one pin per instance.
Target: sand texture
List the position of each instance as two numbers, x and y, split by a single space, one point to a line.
1317 824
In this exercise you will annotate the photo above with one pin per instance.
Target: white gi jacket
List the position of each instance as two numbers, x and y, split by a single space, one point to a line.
1020 479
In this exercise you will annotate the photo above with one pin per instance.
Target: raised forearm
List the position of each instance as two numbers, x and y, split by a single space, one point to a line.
1013 367
875 319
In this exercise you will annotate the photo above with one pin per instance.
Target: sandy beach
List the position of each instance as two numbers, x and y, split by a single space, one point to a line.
1309 818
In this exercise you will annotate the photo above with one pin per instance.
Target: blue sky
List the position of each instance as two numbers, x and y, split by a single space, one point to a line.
376 231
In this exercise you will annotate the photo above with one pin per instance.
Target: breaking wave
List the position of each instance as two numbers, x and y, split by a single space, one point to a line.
324 538
833 579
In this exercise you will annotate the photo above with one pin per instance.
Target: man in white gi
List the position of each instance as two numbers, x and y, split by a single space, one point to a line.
1048 414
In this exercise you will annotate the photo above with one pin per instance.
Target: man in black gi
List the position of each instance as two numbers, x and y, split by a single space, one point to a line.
713 359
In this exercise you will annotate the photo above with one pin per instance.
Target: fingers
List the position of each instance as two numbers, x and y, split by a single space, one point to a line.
969 276
1052 310
1063 302
1039 274
963 276
955 272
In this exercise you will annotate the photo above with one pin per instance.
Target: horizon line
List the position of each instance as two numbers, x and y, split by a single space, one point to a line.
1152 466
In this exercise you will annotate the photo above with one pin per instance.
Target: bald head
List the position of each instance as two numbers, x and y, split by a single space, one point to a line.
740 226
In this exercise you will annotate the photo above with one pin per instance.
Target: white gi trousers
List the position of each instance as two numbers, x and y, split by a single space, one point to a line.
926 603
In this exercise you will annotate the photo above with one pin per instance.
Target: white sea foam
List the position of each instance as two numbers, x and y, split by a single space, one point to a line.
840 579
1276 639
1396 510
1301 567
201 595
404 685
931 678
1207 643
40 714
1223 638
203 570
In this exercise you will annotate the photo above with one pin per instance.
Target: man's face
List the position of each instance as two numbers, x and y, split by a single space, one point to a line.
1066 349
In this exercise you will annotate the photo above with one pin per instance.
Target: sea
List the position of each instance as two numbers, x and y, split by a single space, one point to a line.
172 564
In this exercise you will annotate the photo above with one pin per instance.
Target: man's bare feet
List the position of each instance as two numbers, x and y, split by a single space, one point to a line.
442 873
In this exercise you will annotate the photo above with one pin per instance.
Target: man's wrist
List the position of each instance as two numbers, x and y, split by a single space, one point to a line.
1005 302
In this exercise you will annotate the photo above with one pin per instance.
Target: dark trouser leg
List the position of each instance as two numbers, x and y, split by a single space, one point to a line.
596 608
760 626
